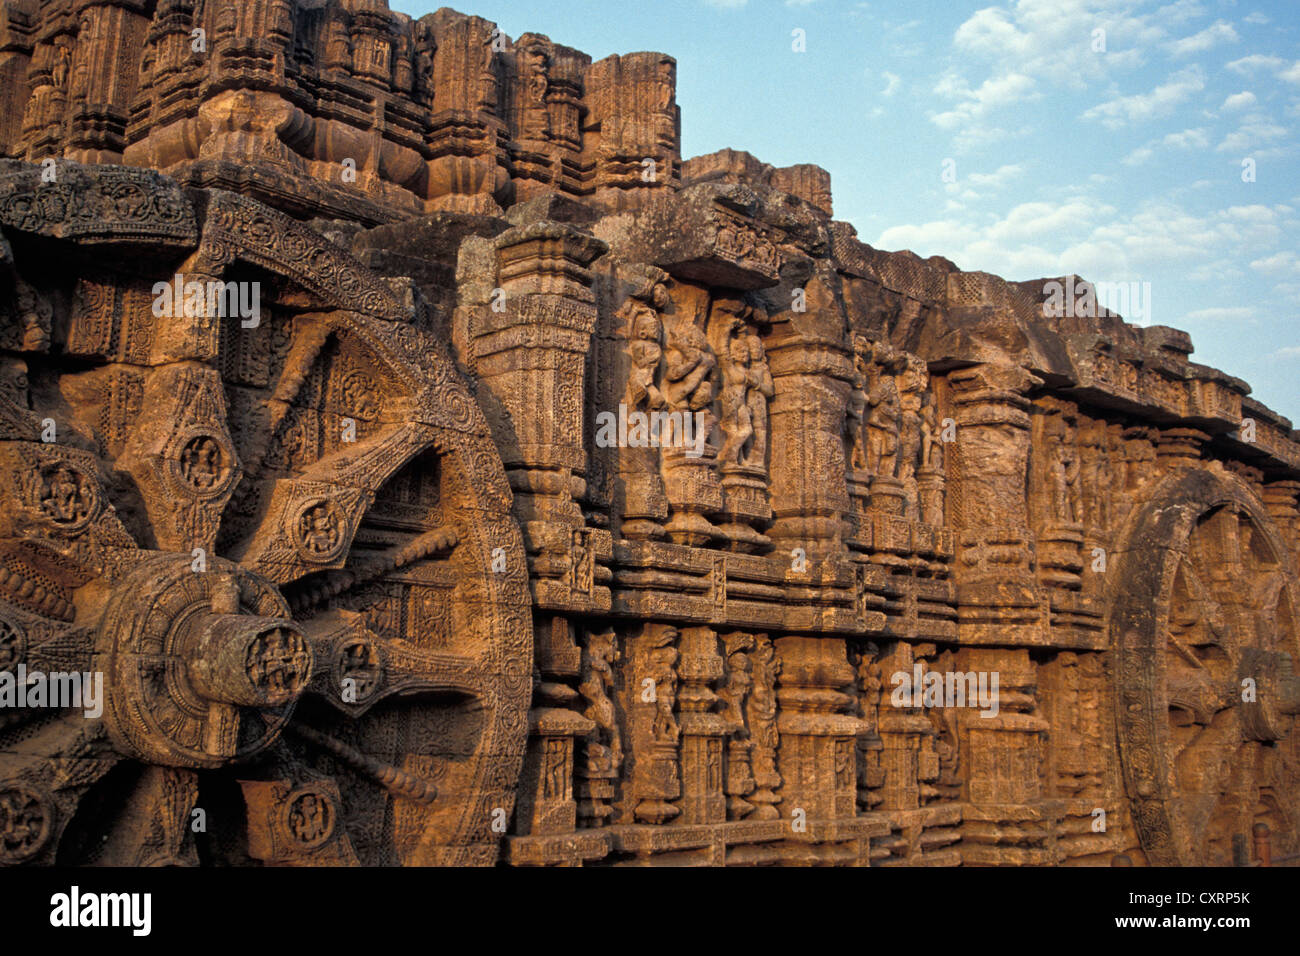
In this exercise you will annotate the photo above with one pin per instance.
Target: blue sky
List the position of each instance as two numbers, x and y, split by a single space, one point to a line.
1121 165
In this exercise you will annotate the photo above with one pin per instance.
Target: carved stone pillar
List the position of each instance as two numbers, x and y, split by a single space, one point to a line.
99 91
903 729
16 40
1007 819
817 755
997 595
812 375
1280 500
467 172
1178 448
546 800
48 76
703 730
530 343
871 773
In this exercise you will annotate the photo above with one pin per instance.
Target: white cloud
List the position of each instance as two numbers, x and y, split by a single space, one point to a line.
1256 130
1256 18
1181 11
976 137
1139 156
1239 101
1141 107
975 104
1291 74
1280 263
1054 39
1247 65
1224 314
1218 32
998 179
892 82
1188 139
1088 237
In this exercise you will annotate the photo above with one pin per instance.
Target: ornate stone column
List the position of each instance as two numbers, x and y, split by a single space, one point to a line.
529 346
546 798
817 755
703 730
1007 820
903 729
812 372
997 595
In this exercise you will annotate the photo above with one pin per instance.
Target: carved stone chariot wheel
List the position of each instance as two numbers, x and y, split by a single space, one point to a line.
1204 629
273 539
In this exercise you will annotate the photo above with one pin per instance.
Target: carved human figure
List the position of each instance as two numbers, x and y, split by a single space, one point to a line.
661 670
308 818
666 85
425 47
338 45
62 496
688 383
911 395
536 117
202 462
555 767
1096 475
1063 470
24 822
1104 479
883 417
604 744
845 765
319 528
738 679
644 352
36 314
855 442
867 684
761 390
487 79
665 116
736 415
81 72
62 58
403 71
931 438
761 712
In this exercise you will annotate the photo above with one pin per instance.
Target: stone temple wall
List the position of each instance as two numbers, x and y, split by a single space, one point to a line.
438 469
